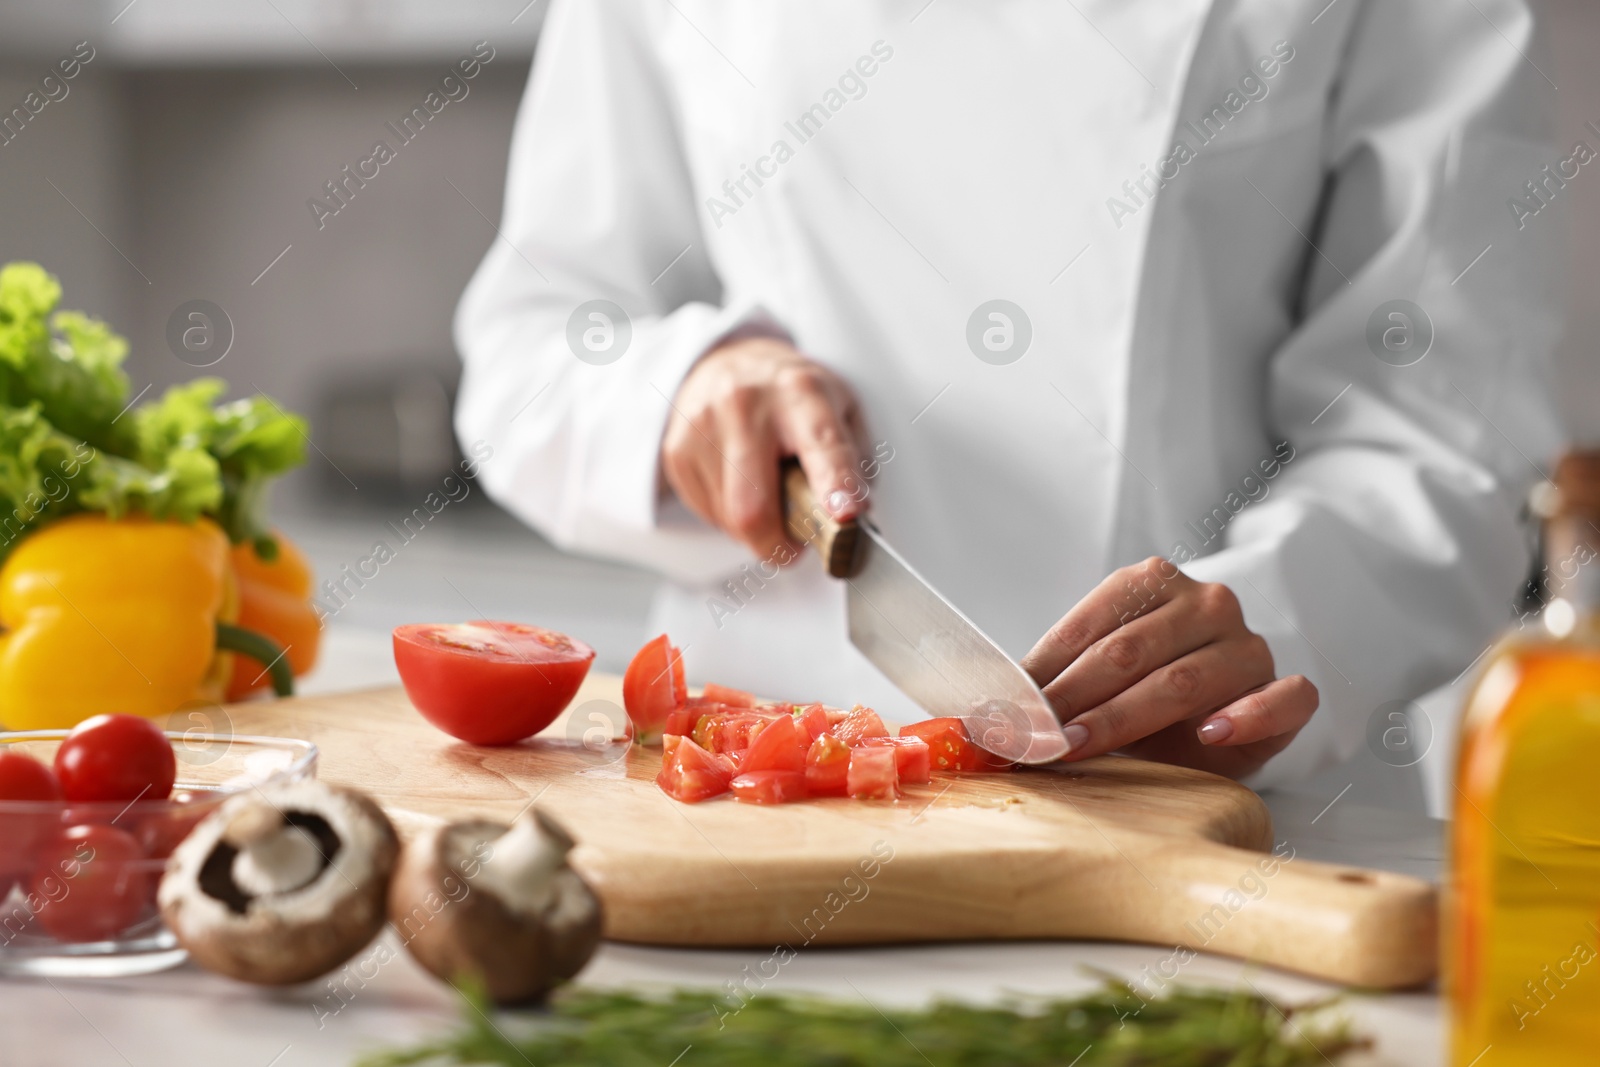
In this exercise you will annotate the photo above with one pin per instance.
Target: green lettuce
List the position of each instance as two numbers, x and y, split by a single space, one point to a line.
250 441
69 441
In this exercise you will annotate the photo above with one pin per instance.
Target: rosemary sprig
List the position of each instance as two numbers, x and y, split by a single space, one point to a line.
1112 1027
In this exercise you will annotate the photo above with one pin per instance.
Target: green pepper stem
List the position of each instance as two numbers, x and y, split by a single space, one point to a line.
263 650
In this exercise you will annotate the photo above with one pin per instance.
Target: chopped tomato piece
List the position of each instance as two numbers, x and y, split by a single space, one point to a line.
769 787
683 720
692 774
827 766
734 698
812 720
836 715
950 747
727 731
911 756
859 725
872 774
778 747
653 687
680 721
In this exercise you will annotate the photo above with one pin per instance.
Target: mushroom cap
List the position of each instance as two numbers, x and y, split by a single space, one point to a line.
457 927
303 932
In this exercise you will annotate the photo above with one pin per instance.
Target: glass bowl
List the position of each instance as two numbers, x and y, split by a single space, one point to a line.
78 880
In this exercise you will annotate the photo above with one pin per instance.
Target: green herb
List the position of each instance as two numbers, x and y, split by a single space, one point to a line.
1112 1027
69 443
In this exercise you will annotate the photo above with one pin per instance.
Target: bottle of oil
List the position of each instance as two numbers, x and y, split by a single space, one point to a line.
1523 945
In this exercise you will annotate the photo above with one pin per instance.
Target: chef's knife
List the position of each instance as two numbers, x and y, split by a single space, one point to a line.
921 641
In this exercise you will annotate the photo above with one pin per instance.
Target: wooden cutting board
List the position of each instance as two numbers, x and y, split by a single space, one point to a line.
1106 849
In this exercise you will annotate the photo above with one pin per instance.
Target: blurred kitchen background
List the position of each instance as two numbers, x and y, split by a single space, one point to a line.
179 165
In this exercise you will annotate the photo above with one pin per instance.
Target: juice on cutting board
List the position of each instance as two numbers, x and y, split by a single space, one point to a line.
1523 966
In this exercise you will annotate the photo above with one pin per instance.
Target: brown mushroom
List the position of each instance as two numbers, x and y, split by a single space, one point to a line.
496 904
281 884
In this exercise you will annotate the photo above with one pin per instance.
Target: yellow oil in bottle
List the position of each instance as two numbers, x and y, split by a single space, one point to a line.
1523 945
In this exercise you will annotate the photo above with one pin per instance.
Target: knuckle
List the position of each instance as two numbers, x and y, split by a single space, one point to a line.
1123 650
1115 724
1303 691
1182 681
825 434
1254 709
1072 635
1261 654
801 377
1218 599
741 397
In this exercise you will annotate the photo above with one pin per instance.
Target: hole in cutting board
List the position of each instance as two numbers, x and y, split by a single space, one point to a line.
1356 877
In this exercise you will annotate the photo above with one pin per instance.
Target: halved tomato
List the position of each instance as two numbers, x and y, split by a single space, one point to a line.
859 725
653 688
872 774
489 683
769 787
950 746
692 774
911 757
827 767
778 747
734 698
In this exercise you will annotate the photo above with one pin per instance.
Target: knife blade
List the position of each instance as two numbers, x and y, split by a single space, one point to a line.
920 641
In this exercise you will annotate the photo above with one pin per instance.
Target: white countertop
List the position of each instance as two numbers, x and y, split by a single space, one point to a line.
186 1018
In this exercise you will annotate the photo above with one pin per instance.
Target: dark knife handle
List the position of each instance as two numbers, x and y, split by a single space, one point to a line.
837 543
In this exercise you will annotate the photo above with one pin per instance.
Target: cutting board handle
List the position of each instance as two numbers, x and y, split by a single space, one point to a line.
1359 927
837 543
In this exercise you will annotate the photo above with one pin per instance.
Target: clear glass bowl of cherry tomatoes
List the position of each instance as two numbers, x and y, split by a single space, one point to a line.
88 817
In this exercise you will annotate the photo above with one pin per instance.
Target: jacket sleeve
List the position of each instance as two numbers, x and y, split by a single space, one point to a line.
598 207
1388 554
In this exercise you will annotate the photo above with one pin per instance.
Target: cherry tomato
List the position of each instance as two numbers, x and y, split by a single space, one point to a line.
951 747
768 787
653 687
94 882
489 683
116 757
778 747
859 725
24 778
690 773
872 774
827 766
22 826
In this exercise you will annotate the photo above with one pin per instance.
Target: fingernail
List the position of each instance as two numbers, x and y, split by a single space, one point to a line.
1216 731
1076 734
837 503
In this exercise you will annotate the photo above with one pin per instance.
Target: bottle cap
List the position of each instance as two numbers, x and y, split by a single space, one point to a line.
1574 492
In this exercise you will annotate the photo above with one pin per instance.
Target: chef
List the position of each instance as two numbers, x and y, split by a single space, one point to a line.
1196 351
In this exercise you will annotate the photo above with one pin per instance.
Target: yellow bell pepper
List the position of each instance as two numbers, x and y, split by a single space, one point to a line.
114 615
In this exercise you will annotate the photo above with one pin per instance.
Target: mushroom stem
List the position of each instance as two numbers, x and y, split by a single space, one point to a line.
279 863
521 865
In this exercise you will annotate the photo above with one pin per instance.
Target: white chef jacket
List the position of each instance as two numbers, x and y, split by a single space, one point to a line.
1203 377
